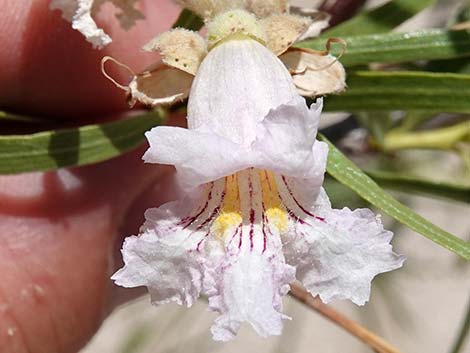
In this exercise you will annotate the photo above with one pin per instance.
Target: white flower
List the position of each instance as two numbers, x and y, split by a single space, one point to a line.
255 216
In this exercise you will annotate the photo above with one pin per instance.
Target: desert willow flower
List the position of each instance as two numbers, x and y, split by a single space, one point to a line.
255 216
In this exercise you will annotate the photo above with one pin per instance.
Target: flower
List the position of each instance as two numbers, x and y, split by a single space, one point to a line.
255 216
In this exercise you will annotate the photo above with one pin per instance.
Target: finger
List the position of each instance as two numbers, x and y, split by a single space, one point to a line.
49 69
57 238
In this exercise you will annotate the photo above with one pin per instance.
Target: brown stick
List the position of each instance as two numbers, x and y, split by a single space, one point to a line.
377 343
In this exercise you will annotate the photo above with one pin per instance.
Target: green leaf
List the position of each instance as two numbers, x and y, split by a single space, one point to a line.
380 19
393 47
189 20
403 90
347 173
397 181
73 147
463 333
20 118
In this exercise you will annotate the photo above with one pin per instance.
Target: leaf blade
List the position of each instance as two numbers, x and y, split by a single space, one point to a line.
403 90
397 181
73 147
426 44
347 173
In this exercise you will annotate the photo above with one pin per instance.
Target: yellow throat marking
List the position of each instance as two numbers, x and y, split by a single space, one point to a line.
230 216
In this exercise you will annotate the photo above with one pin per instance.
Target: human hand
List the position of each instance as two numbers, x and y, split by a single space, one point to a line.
59 230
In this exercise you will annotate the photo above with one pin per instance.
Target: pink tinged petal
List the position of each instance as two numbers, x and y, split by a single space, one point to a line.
164 267
285 143
250 290
246 281
286 140
205 156
166 256
337 253
249 81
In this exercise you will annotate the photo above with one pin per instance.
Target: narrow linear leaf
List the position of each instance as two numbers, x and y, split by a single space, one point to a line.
426 44
379 19
73 147
397 181
20 118
403 90
189 20
347 173
463 333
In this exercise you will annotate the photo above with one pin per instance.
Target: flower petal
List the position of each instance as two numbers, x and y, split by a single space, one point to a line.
80 13
179 48
281 145
163 266
204 159
249 80
283 30
161 85
337 253
314 73
165 257
319 21
264 8
249 289
286 140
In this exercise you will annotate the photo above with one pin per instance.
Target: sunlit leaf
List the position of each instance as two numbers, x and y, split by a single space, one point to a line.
403 90
347 173
397 181
73 147
394 47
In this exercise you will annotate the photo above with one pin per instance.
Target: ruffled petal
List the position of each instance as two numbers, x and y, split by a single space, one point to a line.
285 140
337 253
284 143
249 288
164 266
207 156
165 257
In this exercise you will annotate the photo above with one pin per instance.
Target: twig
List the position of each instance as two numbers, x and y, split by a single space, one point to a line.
377 343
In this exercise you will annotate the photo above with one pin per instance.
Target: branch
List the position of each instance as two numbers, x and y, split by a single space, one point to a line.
377 343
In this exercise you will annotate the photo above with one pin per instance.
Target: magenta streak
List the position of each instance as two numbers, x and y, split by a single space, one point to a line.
202 225
235 233
298 204
252 221
191 220
264 230
252 211
241 237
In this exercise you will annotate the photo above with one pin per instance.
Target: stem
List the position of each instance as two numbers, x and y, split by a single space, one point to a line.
464 330
444 138
377 343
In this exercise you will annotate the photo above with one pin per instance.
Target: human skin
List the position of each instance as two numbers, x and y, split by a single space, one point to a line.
60 231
